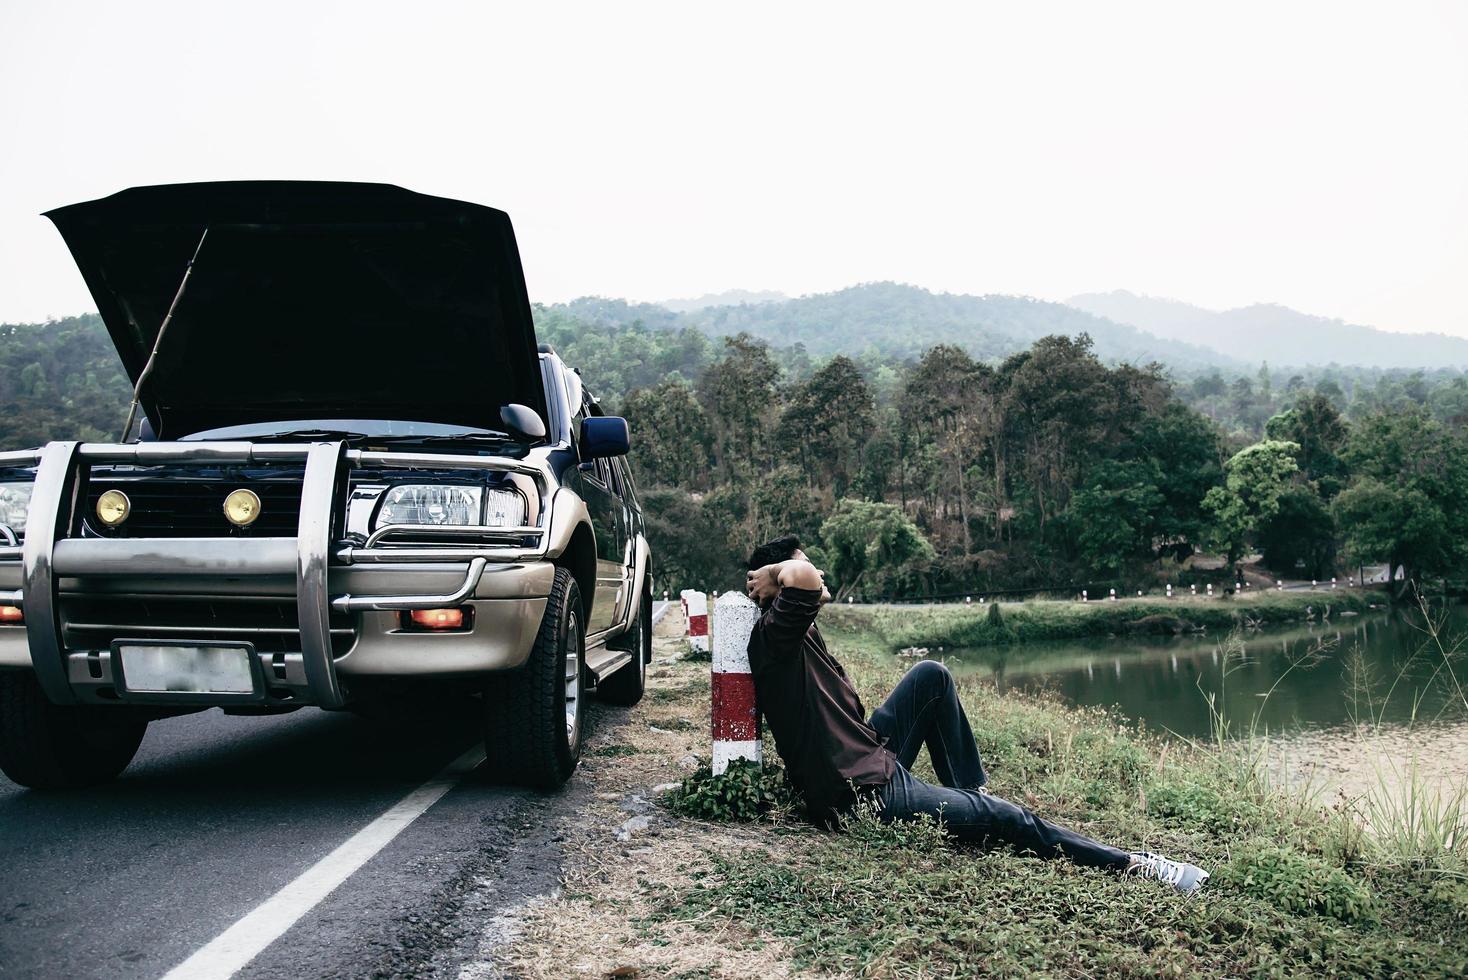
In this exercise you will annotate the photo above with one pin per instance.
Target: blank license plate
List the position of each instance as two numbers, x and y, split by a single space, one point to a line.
166 669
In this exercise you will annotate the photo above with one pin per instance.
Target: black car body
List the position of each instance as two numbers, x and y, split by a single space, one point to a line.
357 479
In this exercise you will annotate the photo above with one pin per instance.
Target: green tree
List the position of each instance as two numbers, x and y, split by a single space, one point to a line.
739 391
1114 516
670 437
872 541
1316 426
1407 504
1185 454
826 424
1254 480
1301 536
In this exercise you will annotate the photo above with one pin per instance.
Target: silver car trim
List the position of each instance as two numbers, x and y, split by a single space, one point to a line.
380 603
194 452
366 457
176 556
198 631
20 457
43 627
313 543
12 597
346 554
8 533
450 530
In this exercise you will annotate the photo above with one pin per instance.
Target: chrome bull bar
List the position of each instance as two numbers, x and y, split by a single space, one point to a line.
49 553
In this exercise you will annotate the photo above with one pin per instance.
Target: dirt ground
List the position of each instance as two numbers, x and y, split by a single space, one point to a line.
625 856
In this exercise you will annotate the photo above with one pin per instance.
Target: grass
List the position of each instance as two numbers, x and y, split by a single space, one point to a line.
1298 886
890 628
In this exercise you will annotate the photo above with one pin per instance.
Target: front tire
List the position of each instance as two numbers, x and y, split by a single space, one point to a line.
534 716
54 746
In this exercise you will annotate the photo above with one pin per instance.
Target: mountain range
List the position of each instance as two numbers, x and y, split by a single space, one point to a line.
1277 334
897 320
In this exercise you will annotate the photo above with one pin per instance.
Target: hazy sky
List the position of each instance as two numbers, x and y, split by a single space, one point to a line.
1309 154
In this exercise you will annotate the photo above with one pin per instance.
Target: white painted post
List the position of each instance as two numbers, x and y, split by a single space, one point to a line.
1279 585
696 604
1238 587
1139 593
1332 583
1193 589
981 600
1169 590
1084 597
732 709
968 600
1113 595
1210 590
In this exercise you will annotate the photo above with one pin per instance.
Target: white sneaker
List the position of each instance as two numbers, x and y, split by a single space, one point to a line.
1186 878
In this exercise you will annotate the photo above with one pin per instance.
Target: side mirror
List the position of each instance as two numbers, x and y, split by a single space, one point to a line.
603 436
522 423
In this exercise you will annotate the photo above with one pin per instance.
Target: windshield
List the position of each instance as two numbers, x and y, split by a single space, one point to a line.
365 427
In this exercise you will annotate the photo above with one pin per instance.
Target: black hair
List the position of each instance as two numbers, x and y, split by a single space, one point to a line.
772 551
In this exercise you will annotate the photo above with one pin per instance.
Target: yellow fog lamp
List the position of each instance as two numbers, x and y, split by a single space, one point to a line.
113 508
241 507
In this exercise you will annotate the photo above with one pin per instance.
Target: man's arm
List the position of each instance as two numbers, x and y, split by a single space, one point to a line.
799 592
799 574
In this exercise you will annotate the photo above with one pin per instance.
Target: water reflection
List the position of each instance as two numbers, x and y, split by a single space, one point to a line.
1349 670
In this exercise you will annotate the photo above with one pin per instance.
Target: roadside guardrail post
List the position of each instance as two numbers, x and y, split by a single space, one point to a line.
736 728
696 605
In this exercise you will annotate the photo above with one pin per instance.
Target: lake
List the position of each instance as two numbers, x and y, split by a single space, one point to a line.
1362 670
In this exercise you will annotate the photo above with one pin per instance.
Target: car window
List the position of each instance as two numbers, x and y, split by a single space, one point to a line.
624 480
606 474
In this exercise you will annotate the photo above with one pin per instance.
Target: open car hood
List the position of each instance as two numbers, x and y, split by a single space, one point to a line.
310 300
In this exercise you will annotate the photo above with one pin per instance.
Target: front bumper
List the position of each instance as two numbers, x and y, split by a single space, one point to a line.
319 612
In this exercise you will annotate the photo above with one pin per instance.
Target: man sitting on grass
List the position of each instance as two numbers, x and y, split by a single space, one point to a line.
836 756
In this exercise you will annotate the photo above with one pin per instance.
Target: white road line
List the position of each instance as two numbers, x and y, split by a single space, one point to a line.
228 952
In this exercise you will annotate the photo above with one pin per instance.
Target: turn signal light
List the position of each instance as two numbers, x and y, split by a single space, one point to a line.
438 619
11 614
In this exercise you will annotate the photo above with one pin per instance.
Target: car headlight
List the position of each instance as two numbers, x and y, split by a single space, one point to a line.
431 504
15 504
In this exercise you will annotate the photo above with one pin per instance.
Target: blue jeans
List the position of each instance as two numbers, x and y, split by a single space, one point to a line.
924 710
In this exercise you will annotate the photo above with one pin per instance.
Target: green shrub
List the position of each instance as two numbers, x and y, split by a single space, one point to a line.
1450 895
1193 804
744 792
1295 882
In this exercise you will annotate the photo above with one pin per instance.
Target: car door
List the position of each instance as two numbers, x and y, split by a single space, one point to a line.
627 500
605 511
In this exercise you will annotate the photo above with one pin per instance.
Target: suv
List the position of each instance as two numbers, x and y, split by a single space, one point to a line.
357 481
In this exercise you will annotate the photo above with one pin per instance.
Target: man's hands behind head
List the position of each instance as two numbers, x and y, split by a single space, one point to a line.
763 584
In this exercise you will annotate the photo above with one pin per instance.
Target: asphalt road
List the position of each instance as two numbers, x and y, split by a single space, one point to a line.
218 813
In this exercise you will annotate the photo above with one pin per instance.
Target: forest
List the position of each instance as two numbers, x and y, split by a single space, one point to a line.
1034 466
